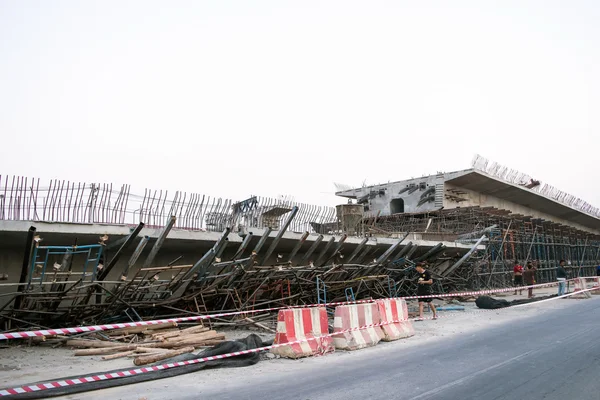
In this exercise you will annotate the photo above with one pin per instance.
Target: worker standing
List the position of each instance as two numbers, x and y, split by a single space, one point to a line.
529 277
561 277
424 284
518 276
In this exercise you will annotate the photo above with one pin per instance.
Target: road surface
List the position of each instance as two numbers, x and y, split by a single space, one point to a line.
551 356
549 351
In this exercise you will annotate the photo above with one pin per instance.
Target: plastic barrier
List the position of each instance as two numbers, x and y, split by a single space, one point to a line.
394 310
580 286
594 282
353 316
303 324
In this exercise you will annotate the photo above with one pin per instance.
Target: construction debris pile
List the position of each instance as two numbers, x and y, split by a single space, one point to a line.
57 290
245 347
59 293
147 344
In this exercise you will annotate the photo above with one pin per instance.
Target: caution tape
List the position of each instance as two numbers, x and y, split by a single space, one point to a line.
488 291
121 325
106 327
138 371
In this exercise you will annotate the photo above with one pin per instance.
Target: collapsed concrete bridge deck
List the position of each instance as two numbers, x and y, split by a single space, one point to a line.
247 268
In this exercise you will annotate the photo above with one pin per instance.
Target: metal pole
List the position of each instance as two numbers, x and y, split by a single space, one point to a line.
282 230
136 254
337 248
435 249
243 246
262 241
25 266
311 249
404 250
357 250
465 257
582 258
130 239
501 251
159 242
324 251
531 245
298 246
390 250
206 259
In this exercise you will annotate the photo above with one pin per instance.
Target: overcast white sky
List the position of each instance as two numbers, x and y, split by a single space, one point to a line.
233 98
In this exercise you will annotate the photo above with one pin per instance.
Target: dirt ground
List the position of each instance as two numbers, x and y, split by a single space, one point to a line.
20 364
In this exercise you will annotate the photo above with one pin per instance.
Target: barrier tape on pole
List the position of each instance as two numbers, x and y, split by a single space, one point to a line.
137 371
97 328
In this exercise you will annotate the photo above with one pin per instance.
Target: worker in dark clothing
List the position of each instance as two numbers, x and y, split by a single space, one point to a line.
598 270
561 277
518 276
529 277
424 284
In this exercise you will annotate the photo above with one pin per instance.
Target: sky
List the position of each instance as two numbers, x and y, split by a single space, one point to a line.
240 98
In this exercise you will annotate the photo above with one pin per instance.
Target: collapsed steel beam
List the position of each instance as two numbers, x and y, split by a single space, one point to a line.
282 230
404 250
130 239
29 243
324 251
262 241
208 258
472 235
437 248
203 263
199 267
297 247
132 260
412 251
362 255
384 257
357 250
134 257
243 246
465 257
338 248
221 249
159 242
312 249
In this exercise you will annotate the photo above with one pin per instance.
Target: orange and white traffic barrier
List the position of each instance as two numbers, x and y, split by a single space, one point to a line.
301 326
580 286
353 316
595 283
394 310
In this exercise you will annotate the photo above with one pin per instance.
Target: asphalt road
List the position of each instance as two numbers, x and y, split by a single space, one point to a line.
555 355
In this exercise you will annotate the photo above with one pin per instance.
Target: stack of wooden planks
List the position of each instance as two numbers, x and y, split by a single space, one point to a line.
147 344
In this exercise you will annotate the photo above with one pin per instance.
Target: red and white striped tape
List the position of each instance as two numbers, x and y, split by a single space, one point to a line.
106 327
479 292
96 328
138 371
